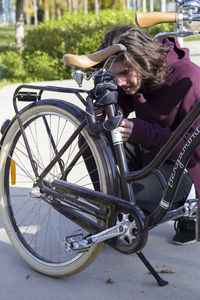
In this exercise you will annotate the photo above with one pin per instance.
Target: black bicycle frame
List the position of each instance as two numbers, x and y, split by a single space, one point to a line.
162 212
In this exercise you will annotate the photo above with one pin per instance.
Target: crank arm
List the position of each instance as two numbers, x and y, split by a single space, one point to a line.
71 244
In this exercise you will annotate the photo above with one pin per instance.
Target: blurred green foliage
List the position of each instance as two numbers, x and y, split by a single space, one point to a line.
45 44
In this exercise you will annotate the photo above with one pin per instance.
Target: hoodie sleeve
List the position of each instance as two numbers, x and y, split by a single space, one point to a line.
126 102
153 136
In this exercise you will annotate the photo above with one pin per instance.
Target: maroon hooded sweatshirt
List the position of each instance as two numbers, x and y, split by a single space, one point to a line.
160 108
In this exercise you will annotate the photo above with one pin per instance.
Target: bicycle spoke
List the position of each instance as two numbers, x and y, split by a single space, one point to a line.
37 227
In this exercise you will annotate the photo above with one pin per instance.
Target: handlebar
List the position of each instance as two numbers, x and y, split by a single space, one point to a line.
187 11
152 18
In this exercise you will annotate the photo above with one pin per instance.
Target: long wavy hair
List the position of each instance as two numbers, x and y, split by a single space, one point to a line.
143 54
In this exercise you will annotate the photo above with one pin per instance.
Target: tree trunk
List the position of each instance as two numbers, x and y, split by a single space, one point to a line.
69 6
52 10
46 10
28 20
97 6
85 7
63 5
75 4
35 12
124 5
58 9
19 27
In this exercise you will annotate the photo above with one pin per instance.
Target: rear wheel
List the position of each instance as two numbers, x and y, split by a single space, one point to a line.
35 228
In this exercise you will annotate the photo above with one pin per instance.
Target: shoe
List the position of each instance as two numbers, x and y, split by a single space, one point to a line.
185 232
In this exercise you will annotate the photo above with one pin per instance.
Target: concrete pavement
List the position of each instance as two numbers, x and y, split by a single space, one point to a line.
112 275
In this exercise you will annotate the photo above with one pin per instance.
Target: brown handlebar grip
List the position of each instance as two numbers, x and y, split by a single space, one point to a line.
152 18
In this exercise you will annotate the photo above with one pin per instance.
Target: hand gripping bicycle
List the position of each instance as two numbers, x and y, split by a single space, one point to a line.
56 215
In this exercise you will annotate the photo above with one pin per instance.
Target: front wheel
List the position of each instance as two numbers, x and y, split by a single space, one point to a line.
34 227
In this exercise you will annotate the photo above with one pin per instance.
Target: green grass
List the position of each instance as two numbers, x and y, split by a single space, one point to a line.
7 40
192 38
7 35
4 82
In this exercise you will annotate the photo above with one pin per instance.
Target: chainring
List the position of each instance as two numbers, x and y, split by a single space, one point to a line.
135 238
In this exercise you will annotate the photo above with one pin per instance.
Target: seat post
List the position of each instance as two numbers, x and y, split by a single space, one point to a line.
127 190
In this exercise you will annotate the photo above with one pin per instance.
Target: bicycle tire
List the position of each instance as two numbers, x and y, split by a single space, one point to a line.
25 217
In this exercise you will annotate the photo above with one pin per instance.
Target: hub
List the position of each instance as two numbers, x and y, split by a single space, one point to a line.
35 192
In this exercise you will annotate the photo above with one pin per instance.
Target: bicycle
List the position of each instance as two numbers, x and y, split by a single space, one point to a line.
56 217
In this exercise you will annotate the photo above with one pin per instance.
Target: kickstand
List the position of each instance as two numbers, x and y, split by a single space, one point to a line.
160 281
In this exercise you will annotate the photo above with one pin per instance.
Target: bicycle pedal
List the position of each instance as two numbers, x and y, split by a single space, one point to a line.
83 245
80 244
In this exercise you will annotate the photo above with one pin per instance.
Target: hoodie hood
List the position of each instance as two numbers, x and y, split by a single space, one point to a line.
176 53
175 56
